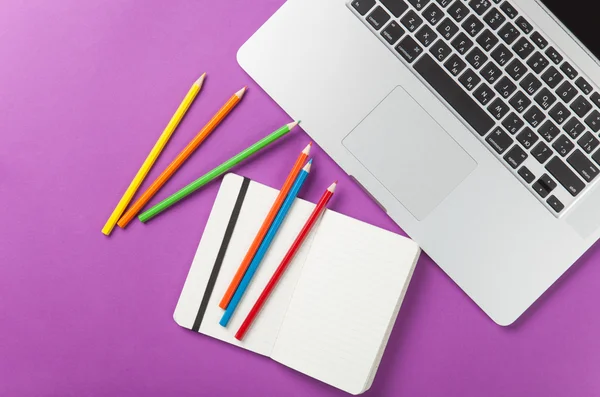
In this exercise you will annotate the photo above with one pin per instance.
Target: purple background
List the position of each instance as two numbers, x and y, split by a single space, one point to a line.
85 89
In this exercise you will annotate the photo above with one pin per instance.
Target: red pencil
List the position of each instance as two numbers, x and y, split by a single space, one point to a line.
312 219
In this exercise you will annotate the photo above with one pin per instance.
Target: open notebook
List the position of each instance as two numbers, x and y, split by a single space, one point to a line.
332 312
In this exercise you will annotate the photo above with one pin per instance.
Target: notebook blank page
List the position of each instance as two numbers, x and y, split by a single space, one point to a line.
347 295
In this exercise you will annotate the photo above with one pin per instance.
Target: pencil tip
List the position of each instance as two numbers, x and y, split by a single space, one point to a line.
307 149
332 187
241 92
307 166
293 124
200 80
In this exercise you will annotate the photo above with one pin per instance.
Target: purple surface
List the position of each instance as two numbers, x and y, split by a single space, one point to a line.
85 89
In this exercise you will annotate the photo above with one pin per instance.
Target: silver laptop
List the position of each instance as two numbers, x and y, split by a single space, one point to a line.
473 123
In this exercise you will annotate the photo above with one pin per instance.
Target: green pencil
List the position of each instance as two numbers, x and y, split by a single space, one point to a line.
215 173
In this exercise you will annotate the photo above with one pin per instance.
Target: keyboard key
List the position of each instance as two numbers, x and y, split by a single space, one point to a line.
501 54
596 157
484 94
444 3
499 140
469 79
512 123
363 6
411 21
447 29
516 69
583 166
534 116
539 41
509 10
378 17
530 84
396 7
456 97
426 35
524 25
494 19
479 6
523 48
559 113
563 145
409 49
487 40
433 14
508 33
498 109
574 127
566 92
519 102
588 142
541 152
584 86
490 72
418 4
593 121
555 204
476 58
565 176
515 156
472 25
527 138
526 174
440 50
581 106
552 77
392 32
545 98
568 70
544 186
458 11
505 87
454 65
554 55
549 131
462 43
538 62
596 99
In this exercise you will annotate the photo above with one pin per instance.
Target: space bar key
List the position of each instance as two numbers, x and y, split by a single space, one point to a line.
460 101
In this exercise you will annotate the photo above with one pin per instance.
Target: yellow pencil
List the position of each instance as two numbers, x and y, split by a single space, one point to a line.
154 153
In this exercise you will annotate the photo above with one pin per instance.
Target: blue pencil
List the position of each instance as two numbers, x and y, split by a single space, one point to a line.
264 246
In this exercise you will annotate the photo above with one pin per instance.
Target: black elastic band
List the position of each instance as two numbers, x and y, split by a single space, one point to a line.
219 261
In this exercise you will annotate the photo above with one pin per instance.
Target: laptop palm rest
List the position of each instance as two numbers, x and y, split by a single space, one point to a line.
409 153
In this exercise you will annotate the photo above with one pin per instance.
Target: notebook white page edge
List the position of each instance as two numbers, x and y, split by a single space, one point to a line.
313 337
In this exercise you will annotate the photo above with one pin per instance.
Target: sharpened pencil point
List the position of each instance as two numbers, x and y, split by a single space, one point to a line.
307 149
293 124
332 187
200 80
241 92
307 166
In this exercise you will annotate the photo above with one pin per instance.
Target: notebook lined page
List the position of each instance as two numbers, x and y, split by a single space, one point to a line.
257 202
348 293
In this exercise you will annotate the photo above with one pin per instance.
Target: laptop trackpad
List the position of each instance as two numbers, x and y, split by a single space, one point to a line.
409 153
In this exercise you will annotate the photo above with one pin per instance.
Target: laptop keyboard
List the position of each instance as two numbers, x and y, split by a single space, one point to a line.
531 107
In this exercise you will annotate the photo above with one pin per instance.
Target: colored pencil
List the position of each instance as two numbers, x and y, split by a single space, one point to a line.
153 155
312 219
181 158
264 246
287 185
215 173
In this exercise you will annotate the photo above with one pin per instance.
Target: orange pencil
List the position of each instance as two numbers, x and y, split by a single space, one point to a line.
181 158
287 185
